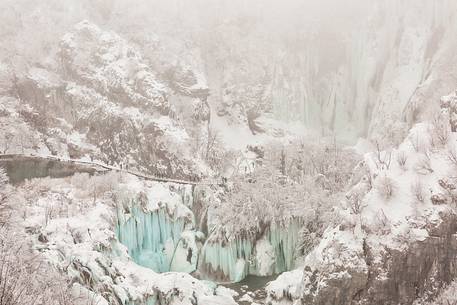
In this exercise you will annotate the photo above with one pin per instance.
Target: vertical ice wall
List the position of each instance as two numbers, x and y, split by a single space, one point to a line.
146 234
233 260
159 235
162 236
284 242
227 261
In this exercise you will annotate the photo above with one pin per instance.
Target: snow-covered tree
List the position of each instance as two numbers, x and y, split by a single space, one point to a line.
5 192
266 195
26 278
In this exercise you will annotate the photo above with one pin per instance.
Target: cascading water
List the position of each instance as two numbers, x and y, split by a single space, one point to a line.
227 261
235 259
162 237
284 242
146 235
158 236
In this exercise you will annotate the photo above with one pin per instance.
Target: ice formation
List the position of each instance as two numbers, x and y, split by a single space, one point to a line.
158 235
79 238
232 260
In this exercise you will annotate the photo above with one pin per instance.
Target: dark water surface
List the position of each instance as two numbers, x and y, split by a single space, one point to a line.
19 169
252 285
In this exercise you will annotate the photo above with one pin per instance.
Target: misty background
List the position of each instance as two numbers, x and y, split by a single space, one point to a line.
302 150
331 65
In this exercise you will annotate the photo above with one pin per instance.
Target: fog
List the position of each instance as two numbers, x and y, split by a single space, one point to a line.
328 20
328 64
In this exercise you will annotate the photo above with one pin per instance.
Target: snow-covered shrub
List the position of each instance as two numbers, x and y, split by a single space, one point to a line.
390 134
3 180
5 193
385 186
423 165
450 189
314 227
381 223
48 213
308 240
420 140
440 130
96 185
448 296
404 236
214 152
401 158
107 182
447 185
356 204
448 107
383 158
415 142
355 195
26 279
452 155
417 190
329 162
438 199
255 201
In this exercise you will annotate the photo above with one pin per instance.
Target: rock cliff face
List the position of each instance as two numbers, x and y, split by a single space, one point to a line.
418 271
393 276
102 101
369 73
367 272
352 74
397 241
357 73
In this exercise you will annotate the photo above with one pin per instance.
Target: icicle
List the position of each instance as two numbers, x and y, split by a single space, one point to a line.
284 241
229 261
233 260
145 236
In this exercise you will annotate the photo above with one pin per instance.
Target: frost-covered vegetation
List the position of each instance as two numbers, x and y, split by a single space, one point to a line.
447 296
235 101
25 276
398 218
73 249
266 219
5 192
300 182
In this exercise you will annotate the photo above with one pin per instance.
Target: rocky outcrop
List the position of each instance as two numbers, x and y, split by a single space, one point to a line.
416 271
392 275
97 250
104 102
386 250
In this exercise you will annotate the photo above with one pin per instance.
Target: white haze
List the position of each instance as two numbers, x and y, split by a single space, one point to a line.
327 61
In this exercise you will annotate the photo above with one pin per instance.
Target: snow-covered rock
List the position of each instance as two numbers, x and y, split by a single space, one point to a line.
77 229
396 242
104 102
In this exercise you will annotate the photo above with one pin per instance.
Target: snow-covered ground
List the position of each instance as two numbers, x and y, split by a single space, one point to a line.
73 222
400 199
236 90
